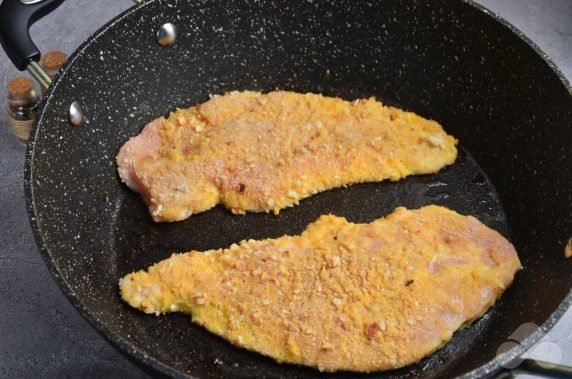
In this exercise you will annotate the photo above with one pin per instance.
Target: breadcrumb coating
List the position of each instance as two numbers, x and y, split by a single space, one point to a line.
256 152
341 296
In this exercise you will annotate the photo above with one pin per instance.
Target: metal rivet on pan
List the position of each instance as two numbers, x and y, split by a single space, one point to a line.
167 35
76 113
30 2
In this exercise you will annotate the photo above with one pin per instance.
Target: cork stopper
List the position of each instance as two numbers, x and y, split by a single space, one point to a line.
20 87
53 60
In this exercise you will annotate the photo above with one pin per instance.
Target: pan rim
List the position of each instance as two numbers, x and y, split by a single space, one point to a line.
135 354
501 360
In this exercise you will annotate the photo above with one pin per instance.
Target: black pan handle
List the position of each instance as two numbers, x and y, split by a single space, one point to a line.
546 369
532 367
16 17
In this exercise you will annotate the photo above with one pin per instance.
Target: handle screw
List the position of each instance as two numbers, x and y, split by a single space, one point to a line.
167 35
76 114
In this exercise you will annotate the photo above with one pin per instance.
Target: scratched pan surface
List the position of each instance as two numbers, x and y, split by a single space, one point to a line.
446 60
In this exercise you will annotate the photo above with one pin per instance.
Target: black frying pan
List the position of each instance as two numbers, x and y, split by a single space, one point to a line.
448 60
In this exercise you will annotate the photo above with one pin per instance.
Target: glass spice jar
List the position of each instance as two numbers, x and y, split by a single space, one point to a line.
22 106
52 62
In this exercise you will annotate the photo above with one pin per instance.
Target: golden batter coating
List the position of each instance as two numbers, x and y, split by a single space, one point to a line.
255 152
341 296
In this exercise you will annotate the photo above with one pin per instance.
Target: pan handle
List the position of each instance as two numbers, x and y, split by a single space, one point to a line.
16 17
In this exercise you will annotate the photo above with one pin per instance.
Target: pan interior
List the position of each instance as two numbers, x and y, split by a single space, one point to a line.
445 60
139 242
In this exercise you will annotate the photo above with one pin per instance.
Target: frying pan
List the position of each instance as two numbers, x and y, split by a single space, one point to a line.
447 60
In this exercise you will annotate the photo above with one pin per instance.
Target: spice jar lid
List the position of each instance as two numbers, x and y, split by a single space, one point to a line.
20 87
53 60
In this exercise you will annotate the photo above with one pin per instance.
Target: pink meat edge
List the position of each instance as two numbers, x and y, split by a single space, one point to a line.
135 150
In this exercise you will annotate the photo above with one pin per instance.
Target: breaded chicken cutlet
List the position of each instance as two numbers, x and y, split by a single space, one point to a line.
341 296
256 152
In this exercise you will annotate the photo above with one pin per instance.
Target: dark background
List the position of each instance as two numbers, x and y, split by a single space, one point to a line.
41 335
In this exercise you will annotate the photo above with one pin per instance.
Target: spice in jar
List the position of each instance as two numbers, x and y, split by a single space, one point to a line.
52 62
22 106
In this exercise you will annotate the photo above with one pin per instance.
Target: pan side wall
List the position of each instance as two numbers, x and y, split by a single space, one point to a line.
444 60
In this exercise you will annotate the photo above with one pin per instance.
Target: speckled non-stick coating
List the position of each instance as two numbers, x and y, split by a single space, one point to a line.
446 60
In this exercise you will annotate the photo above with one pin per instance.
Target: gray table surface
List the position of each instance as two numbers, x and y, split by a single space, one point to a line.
41 334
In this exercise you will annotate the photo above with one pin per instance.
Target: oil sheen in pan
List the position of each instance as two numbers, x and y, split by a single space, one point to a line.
139 242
